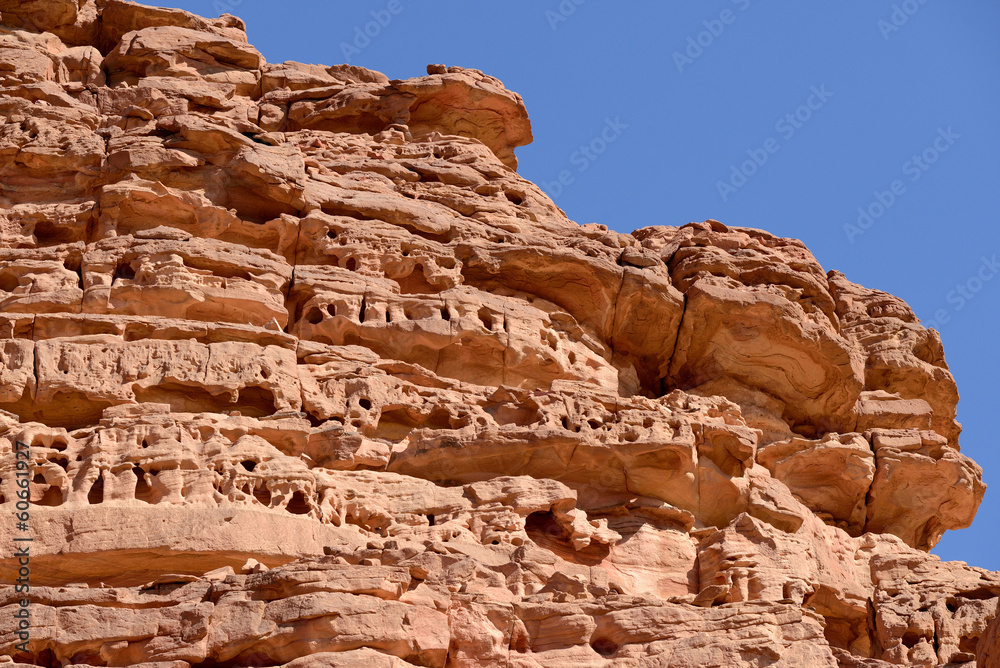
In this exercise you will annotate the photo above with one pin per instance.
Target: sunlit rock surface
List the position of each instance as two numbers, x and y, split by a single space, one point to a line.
311 377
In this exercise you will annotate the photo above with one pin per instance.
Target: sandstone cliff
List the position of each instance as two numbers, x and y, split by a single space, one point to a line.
310 377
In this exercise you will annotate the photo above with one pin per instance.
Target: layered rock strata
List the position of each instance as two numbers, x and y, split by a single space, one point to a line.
309 376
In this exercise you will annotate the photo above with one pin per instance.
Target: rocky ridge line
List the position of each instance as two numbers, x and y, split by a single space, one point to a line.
312 377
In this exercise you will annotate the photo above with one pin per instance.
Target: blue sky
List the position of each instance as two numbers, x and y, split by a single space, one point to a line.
893 110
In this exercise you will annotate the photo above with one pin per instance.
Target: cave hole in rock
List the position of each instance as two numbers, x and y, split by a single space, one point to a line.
254 137
445 314
486 318
298 504
9 282
981 594
394 425
838 631
430 236
45 658
252 206
252 401
51 497
332 310
440 418
365 403
430 519
604 646
344 211
313 420
263 495
351 264
427 176
70 410
143 491
519 642
314 316
362 312
59 444
541 526
545 531
62 463
48 234
416 283
514 197
249 465
74 264
331 234
96 493
123 271
911 638
158 133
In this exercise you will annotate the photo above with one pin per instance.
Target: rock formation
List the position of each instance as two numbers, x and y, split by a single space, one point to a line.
310 377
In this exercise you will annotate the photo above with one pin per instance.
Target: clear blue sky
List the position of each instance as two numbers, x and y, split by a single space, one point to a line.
893 80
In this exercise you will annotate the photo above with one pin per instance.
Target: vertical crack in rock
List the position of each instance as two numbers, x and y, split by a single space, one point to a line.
673 351
312 377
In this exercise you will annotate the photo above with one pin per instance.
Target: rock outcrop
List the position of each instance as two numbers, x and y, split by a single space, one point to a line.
298 371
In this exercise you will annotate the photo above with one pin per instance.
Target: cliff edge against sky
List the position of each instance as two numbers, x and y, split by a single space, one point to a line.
298 371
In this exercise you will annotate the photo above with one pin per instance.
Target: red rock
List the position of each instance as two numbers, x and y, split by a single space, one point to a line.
311 377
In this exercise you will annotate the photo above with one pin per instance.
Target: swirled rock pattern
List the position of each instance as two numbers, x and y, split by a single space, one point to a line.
310 376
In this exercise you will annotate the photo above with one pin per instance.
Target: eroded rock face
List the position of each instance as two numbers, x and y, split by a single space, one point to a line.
311 377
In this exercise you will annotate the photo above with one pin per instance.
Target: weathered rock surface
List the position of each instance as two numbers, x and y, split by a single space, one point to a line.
310 377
